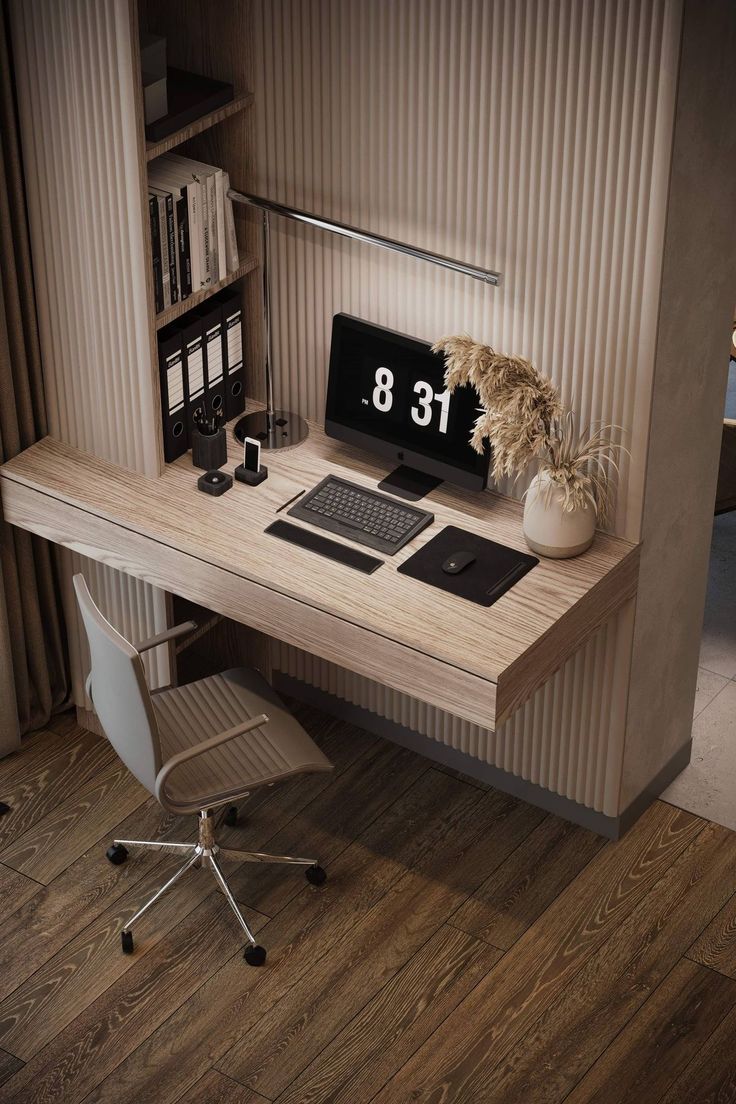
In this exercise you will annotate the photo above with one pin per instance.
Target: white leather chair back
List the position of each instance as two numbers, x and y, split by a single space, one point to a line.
119 692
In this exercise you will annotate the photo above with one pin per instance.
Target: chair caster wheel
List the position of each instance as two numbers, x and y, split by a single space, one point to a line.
254 956
126 940
230 819
117 854
316 875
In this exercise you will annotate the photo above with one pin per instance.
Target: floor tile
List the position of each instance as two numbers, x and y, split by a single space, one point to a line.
718 645
708 786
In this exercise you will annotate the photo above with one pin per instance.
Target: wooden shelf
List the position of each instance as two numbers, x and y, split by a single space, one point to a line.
240 103
176 311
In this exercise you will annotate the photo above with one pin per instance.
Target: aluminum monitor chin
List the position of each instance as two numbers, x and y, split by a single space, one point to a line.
386 394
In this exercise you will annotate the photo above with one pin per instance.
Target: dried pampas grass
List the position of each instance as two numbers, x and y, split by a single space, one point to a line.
519 403
580 464
523 419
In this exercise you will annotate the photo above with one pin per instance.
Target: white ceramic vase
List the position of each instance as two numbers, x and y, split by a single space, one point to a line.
548 529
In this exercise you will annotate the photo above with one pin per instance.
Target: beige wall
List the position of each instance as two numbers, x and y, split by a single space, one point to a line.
691 367
533 138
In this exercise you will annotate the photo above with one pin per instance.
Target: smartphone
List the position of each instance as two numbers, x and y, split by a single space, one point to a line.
252 454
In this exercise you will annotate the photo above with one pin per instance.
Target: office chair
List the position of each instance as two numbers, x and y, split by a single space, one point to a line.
197 748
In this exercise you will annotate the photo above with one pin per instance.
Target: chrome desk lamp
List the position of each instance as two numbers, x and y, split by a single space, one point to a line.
280 428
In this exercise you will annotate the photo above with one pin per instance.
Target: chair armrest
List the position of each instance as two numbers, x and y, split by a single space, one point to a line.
167 634
199 749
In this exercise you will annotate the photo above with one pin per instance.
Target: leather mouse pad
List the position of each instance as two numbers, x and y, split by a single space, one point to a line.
495 570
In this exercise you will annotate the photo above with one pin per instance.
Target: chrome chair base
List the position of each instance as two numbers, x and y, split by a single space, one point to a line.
206 852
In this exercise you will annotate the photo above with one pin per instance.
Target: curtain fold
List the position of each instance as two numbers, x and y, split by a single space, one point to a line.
33 661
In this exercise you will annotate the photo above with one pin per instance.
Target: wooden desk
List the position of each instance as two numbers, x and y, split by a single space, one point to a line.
477 663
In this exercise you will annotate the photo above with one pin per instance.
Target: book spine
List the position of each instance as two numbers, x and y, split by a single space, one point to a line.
158 288
204 208
220 211
182 232
195 235
171 244
231 241
163 238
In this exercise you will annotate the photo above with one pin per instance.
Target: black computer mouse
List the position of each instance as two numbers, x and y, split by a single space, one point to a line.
457 562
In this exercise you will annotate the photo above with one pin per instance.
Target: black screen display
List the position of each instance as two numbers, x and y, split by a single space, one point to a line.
390 388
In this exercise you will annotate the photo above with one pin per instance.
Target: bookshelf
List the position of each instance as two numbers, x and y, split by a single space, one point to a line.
213 39
212 118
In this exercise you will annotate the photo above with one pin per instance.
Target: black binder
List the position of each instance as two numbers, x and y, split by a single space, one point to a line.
173 391
232 345
210 315
190 328
495 570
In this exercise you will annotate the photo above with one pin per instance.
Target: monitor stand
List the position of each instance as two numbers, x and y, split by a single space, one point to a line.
409 483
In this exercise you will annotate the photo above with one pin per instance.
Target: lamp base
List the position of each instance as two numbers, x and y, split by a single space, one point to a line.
285 429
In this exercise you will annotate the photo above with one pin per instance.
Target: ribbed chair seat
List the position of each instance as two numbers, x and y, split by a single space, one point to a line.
199 749
187 715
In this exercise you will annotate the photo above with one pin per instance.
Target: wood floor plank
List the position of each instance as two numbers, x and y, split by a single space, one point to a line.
329 823
36 748
216 1088
68 830
452 1066
36 930
90 1048
9 1065
470 837
574 1030
15 890
716 946
400 1017
659 1042
88 964
531 878
197 1036
711 1076
54 770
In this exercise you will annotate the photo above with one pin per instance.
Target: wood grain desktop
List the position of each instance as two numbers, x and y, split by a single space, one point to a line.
479 664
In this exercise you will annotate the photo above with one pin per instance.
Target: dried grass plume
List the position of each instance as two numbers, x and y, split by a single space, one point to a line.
518 402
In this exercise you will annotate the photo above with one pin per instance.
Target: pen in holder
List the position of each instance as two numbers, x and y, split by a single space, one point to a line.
209 441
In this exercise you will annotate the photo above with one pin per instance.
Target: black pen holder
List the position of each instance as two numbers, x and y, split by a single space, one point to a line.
209 450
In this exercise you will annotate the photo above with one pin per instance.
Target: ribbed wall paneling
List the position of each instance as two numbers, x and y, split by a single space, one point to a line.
580 758
530 137
78 130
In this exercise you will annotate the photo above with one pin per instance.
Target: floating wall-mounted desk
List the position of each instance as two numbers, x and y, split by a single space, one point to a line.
475 662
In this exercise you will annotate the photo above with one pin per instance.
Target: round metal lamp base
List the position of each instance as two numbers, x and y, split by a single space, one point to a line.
282 430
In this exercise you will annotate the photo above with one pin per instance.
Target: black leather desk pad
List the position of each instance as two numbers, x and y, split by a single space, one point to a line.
495 570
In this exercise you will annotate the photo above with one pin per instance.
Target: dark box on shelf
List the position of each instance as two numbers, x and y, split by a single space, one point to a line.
190 97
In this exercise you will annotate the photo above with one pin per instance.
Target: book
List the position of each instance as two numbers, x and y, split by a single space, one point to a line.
231 241
210 315
164 251
172 259
232 346
169 174
158 287
190 328
173 392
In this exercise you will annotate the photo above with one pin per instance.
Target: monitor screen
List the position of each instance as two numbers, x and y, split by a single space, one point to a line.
386 393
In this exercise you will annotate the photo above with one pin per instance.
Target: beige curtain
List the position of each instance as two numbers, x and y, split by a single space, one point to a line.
33 664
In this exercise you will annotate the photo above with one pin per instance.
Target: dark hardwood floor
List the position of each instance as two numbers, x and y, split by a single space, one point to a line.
467 947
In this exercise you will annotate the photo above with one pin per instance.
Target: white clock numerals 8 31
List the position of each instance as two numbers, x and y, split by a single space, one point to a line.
383 399
422 414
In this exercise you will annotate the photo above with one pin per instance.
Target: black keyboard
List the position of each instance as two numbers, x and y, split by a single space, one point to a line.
361 515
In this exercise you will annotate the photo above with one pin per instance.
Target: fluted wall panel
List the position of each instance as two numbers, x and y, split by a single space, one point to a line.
80 149
528 136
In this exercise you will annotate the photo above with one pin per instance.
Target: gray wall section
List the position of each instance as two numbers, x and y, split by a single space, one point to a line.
691 367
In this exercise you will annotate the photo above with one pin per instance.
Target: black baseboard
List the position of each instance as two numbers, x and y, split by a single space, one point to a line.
611 827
